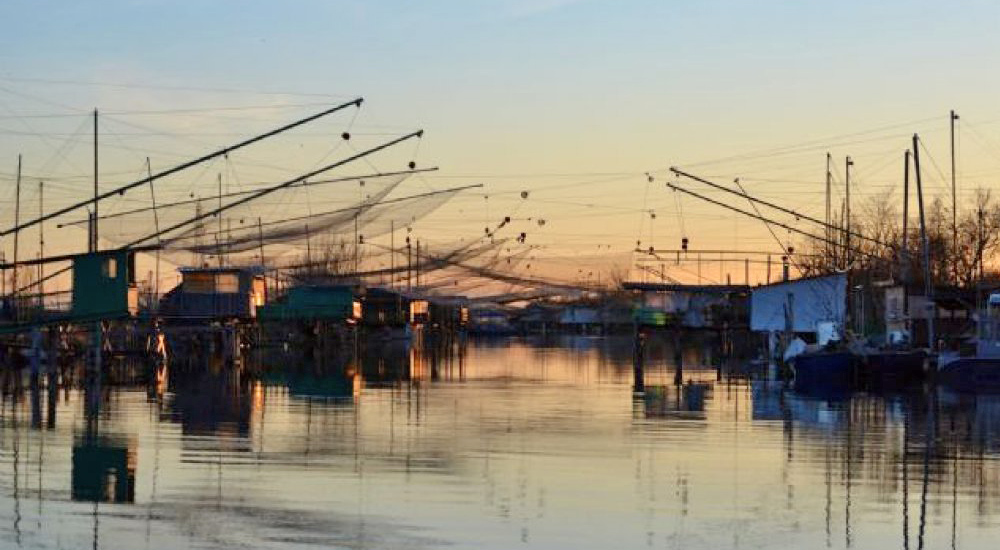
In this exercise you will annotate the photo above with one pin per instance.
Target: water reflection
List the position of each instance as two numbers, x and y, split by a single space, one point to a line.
103 470
468 444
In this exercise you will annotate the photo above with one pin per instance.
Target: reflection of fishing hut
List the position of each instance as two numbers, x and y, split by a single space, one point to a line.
103 470
682 400
213 403
215 293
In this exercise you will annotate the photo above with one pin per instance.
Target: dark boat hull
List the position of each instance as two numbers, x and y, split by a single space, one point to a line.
971 374
825 372
889 369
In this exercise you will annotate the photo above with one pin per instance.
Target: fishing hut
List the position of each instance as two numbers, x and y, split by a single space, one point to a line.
215 293
448 313
700 306
385 308
337 303
490 320
538 318
312 311
104 285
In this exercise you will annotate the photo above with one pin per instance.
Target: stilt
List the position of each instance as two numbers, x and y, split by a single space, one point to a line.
638 363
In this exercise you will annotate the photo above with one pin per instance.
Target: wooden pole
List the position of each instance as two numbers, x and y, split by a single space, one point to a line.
218 248
847 233
904 254
41 246
829 212
96 192
260 242
928 284
17 217
156 225
954 200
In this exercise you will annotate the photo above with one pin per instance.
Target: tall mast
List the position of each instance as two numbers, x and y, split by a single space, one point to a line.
41 245
96 192
954 199
829 234
156 224
17 217
260 242
219 251
847 234
928 285
904 251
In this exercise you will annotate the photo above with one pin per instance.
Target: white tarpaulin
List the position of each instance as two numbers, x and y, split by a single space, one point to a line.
811 301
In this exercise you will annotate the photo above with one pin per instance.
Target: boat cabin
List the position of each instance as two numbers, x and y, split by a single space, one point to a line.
988 344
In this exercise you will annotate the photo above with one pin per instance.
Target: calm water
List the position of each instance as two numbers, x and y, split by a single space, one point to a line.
505 445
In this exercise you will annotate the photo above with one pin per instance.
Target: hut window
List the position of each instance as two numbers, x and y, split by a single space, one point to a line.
227 283
201 283
110 268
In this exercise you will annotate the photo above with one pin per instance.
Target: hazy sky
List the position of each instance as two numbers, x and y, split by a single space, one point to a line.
572 100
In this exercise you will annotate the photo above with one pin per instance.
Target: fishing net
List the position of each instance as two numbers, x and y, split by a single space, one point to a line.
282 221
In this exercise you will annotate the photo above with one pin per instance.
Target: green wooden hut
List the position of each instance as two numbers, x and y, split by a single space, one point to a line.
313 302
104 285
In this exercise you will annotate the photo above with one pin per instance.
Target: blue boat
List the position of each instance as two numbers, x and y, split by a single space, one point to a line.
887 369
980 373
825 372
971 374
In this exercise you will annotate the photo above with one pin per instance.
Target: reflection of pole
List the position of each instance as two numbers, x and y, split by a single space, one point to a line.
638 367
829 496
929 437
906 486
847 478
678 358
16 461
954 497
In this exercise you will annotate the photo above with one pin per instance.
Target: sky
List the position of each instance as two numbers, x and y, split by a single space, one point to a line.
573 101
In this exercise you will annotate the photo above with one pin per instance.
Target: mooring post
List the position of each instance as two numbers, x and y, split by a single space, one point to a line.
638 368
678 358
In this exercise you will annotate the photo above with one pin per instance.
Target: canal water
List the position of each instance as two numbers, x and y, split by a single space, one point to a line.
500 444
